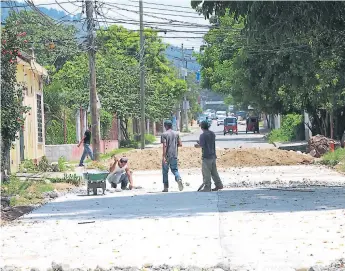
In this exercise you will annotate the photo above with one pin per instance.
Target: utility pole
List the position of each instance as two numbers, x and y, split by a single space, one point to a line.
185 98
142 76
92 67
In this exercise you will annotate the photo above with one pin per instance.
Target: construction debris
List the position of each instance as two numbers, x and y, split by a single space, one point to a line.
318 145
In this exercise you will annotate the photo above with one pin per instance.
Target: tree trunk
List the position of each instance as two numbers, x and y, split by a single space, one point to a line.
5 159
124 128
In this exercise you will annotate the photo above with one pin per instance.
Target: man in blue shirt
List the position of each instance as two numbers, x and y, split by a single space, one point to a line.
170 141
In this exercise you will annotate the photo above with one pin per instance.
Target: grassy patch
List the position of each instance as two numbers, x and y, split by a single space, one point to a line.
25 192
334 158
288 130
68 179
149 139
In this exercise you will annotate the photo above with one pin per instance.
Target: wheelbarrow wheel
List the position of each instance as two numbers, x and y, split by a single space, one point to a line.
95 191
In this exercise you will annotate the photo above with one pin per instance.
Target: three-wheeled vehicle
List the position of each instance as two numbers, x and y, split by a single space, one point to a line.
252 125
230 125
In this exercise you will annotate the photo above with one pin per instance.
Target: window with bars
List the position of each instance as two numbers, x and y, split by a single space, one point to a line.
39 118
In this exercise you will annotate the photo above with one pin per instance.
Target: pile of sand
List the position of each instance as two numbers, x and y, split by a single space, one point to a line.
189 157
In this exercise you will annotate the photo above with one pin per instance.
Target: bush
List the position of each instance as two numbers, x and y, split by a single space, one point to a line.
288 130
62 164
129 144
28 166
68 178
25 192
44 165
333 158
149 139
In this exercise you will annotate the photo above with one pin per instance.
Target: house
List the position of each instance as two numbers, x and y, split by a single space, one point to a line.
31 142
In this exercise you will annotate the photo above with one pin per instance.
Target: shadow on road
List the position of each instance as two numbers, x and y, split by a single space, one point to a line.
182 204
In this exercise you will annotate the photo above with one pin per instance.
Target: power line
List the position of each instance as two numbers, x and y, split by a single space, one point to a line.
165 5
154 8
28 5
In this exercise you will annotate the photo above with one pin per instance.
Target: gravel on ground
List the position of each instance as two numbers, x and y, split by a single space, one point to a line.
189 157
244 228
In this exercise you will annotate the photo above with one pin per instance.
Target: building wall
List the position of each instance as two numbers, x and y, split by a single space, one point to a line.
72 153
33 149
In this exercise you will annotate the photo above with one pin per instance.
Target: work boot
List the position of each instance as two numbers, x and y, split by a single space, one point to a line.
206 189
180 185
218 187
166 188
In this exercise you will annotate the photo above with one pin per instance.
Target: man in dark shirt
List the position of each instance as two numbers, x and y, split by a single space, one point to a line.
87 150
207 142
171 141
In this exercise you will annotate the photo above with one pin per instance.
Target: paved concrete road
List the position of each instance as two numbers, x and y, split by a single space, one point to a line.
243 140
248 228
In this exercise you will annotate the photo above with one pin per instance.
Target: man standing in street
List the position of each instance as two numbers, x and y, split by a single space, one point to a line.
207 142
171 141
87 150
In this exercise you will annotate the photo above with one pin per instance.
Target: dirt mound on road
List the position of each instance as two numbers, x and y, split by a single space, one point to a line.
189 157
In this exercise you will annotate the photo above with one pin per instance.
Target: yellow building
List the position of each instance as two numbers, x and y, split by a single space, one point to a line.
31 142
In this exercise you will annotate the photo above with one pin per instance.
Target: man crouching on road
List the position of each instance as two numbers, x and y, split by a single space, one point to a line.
171 141
207 142
120 173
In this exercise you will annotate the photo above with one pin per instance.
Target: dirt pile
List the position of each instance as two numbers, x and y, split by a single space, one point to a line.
318 145
189 157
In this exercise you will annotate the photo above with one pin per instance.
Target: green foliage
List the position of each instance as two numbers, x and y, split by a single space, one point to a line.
106 123
130 143
117 69
25 192
333 158
44 165
12 109
288 130
279 57
62 164
149 139
28 166
40 32
67 178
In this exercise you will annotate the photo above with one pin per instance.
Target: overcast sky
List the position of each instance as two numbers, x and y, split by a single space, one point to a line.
163 14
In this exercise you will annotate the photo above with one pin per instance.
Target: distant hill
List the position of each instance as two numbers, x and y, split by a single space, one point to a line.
7 6
174 54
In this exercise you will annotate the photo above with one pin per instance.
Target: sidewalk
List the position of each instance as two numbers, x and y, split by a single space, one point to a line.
157 143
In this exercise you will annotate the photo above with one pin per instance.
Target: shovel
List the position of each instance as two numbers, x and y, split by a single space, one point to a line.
201 187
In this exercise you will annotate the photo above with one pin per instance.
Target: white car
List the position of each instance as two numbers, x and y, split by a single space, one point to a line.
220 120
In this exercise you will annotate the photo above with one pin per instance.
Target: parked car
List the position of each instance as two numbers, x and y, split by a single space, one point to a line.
221 113
220 120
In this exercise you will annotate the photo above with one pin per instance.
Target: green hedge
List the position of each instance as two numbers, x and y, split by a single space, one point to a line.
288 130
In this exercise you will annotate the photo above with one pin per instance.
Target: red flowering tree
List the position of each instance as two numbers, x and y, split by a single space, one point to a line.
12 109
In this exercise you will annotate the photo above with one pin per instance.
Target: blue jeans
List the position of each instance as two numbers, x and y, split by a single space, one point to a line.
87 151
172 163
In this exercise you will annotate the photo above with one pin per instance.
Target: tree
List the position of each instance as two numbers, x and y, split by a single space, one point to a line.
117 69
53 43
288 56
12 109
